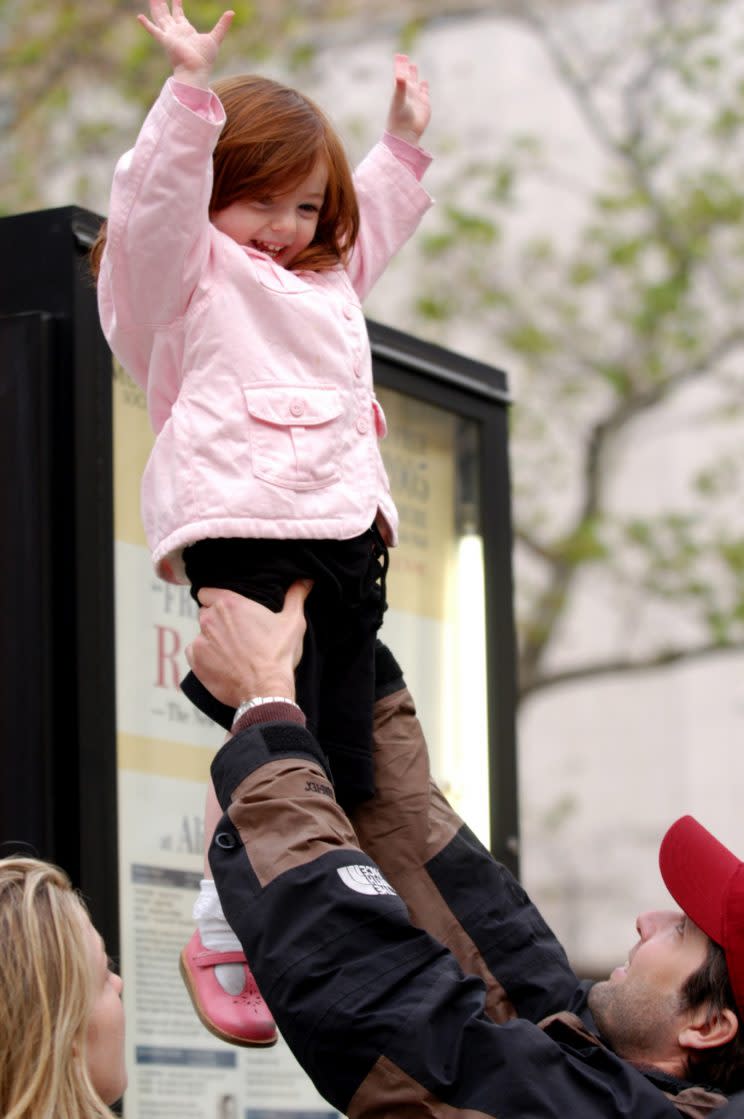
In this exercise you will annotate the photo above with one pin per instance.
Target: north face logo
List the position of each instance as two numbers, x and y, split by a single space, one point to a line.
365 880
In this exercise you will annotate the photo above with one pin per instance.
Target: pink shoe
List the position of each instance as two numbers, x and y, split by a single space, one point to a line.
242 1019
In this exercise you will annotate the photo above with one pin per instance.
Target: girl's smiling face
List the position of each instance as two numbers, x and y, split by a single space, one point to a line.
281 225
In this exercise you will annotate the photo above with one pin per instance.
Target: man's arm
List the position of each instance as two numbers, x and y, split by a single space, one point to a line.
329 940
377 1011
452 885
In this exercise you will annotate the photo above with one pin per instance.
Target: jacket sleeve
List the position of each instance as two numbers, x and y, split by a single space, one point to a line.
377 1011
158 230
451 884
391 205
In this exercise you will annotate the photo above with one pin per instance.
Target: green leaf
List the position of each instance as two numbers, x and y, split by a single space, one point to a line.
473 227
437 310
528 338
584 545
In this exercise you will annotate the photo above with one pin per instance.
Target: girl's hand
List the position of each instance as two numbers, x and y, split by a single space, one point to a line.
410 110
190 53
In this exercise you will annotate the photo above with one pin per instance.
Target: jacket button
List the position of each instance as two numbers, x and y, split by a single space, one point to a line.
296 407
362 426
225 840
348 311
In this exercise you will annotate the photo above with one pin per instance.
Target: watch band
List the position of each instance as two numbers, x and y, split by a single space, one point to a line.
259 701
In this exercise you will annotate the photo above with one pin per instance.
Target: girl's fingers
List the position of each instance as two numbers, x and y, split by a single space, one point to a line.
163 21
406 72
148 26
400 67
222 25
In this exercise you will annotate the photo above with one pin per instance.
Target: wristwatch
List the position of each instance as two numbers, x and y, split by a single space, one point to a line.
259 701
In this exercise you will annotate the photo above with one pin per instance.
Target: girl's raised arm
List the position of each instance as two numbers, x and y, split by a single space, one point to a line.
191 53
391 199
410 110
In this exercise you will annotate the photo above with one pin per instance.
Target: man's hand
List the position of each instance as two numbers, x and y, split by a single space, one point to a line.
190 53
245 650
410 110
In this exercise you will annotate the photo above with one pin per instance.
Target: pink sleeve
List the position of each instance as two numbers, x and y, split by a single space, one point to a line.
414 158
158 223
391 205
201 101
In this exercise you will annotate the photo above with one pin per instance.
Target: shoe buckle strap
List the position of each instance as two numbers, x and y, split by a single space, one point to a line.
212 959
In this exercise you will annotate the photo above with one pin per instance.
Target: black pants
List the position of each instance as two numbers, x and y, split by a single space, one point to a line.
335 678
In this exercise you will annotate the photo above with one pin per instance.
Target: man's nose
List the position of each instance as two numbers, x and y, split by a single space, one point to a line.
644 925
649 923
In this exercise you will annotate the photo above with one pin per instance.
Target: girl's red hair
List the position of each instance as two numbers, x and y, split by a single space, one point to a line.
272 139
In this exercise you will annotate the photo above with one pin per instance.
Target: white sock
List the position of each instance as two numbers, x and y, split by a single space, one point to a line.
217 936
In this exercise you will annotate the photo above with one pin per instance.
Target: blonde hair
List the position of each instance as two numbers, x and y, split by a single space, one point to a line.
46 995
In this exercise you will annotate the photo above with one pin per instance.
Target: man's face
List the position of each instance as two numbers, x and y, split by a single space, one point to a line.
637 1009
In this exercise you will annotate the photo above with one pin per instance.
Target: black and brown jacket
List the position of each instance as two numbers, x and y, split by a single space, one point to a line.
407 970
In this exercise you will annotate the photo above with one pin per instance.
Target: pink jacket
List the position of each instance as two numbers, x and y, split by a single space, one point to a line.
258 379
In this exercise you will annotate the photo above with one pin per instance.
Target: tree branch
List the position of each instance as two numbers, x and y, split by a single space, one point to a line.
641 402
532 545
623 148
625 666
552 601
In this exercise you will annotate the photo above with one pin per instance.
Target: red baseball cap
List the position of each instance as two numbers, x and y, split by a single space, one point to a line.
707 882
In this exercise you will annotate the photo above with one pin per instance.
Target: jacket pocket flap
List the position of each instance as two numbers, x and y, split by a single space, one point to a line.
295 405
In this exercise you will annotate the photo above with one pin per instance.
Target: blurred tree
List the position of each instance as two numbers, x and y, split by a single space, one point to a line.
75 78
626 307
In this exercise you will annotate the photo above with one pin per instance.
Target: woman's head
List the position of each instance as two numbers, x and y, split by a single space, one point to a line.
274 142
61 1018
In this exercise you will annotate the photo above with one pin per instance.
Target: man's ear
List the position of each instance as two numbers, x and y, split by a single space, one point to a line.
710 1030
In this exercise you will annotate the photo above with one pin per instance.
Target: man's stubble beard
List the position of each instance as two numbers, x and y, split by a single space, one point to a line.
634 1022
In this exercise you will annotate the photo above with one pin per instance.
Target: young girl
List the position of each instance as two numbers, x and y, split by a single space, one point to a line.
237 251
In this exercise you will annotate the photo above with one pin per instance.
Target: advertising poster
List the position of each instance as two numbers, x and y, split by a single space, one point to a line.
177 1069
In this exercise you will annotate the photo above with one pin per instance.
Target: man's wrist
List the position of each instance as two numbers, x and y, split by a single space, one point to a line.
260 701
262 709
